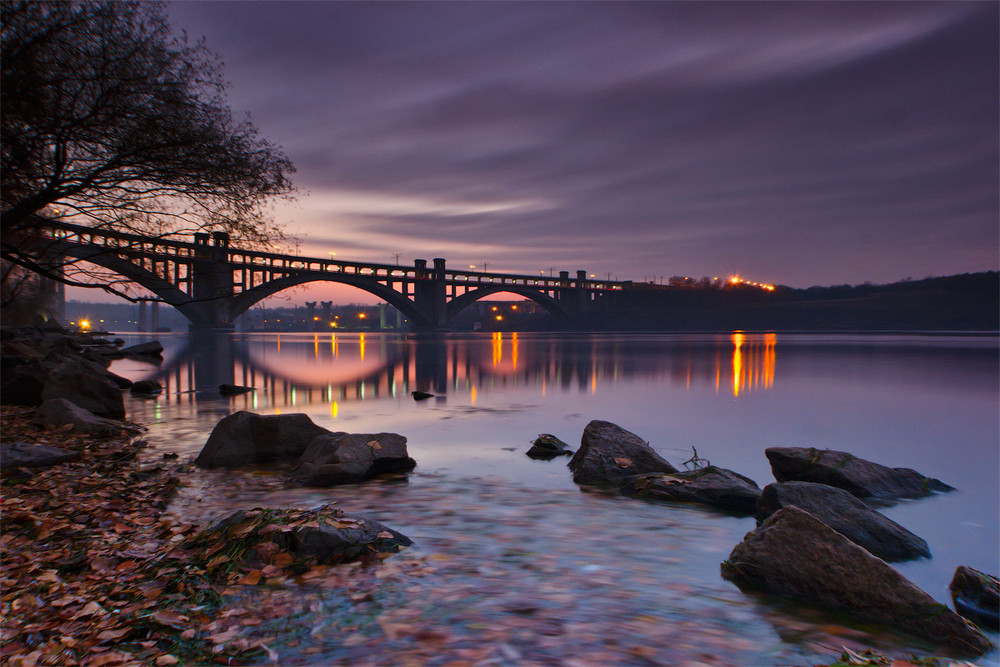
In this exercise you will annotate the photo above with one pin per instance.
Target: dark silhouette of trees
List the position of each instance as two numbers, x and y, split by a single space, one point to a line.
113 121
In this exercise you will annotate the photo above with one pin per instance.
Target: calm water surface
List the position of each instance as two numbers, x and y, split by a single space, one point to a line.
522 566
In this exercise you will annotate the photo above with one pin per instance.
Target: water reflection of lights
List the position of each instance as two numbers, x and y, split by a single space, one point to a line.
306 371
752 362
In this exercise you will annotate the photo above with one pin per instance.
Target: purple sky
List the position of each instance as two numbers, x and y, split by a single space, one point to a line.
793 143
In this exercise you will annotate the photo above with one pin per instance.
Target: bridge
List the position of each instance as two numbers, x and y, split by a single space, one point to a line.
212 283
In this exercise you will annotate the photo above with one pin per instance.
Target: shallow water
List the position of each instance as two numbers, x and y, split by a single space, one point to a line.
515 564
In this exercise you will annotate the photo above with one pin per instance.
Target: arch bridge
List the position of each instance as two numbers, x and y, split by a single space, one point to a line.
212 283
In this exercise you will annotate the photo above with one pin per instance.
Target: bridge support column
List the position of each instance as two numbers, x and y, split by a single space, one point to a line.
430 293
212 282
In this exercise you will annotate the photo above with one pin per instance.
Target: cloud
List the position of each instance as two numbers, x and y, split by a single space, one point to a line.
810 143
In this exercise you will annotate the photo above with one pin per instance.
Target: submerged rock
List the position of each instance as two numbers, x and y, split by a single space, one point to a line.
546 447
712 486
862 478
245 437
151 349
146 388
296 538
608 454
795 554
233 389
976 596
847 515
346 458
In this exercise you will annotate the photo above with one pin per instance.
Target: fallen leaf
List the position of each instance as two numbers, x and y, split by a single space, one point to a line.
218 560
171 618
284 559
109 635
166 659
623 462
251 578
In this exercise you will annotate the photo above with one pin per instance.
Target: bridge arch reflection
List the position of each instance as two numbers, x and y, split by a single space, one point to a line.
289 370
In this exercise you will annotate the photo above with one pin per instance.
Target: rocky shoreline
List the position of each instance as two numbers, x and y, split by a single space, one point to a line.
84 532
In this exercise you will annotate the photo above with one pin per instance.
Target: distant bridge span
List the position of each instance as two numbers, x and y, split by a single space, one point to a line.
212 283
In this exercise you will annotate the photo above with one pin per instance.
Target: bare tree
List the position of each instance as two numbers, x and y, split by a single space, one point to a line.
111 120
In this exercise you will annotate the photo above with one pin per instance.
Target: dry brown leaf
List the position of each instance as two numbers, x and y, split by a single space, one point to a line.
109 635
623 462
251 578
166 659
171 618
284 559
218 560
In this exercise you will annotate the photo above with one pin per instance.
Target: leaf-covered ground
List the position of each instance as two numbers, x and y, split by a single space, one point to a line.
92 571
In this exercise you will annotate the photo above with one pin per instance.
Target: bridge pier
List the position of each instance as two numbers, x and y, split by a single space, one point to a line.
212 285
430 294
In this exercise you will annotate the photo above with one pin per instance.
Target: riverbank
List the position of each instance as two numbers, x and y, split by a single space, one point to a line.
85 546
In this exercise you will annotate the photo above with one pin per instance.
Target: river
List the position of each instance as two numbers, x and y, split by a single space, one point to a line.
511 563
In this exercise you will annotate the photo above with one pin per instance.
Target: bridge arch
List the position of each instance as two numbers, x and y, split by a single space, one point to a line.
196 312
243 301
460 303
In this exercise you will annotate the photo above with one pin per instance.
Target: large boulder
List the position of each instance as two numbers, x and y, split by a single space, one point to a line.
716 487
22 383
58 412
608 454
847 515
862 478
79 383
796 555
346 458
976 596
14 455
245 437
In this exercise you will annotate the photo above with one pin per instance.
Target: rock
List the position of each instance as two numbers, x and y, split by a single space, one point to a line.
80 384
420 395
546 447
151 349
349 539
862 478
346 458
245 437
847 515
324 534
608 454
712 486
795 554
58 412
23 384
233 389
14 455
146 388
976 596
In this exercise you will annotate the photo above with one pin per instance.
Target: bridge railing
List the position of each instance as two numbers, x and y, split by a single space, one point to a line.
187 251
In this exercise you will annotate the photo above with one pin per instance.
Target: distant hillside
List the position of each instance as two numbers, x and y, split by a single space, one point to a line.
966 302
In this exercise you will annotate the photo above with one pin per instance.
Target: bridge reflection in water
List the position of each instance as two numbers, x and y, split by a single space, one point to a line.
291 370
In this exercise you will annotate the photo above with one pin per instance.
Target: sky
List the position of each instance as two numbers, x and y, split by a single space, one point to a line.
791 143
